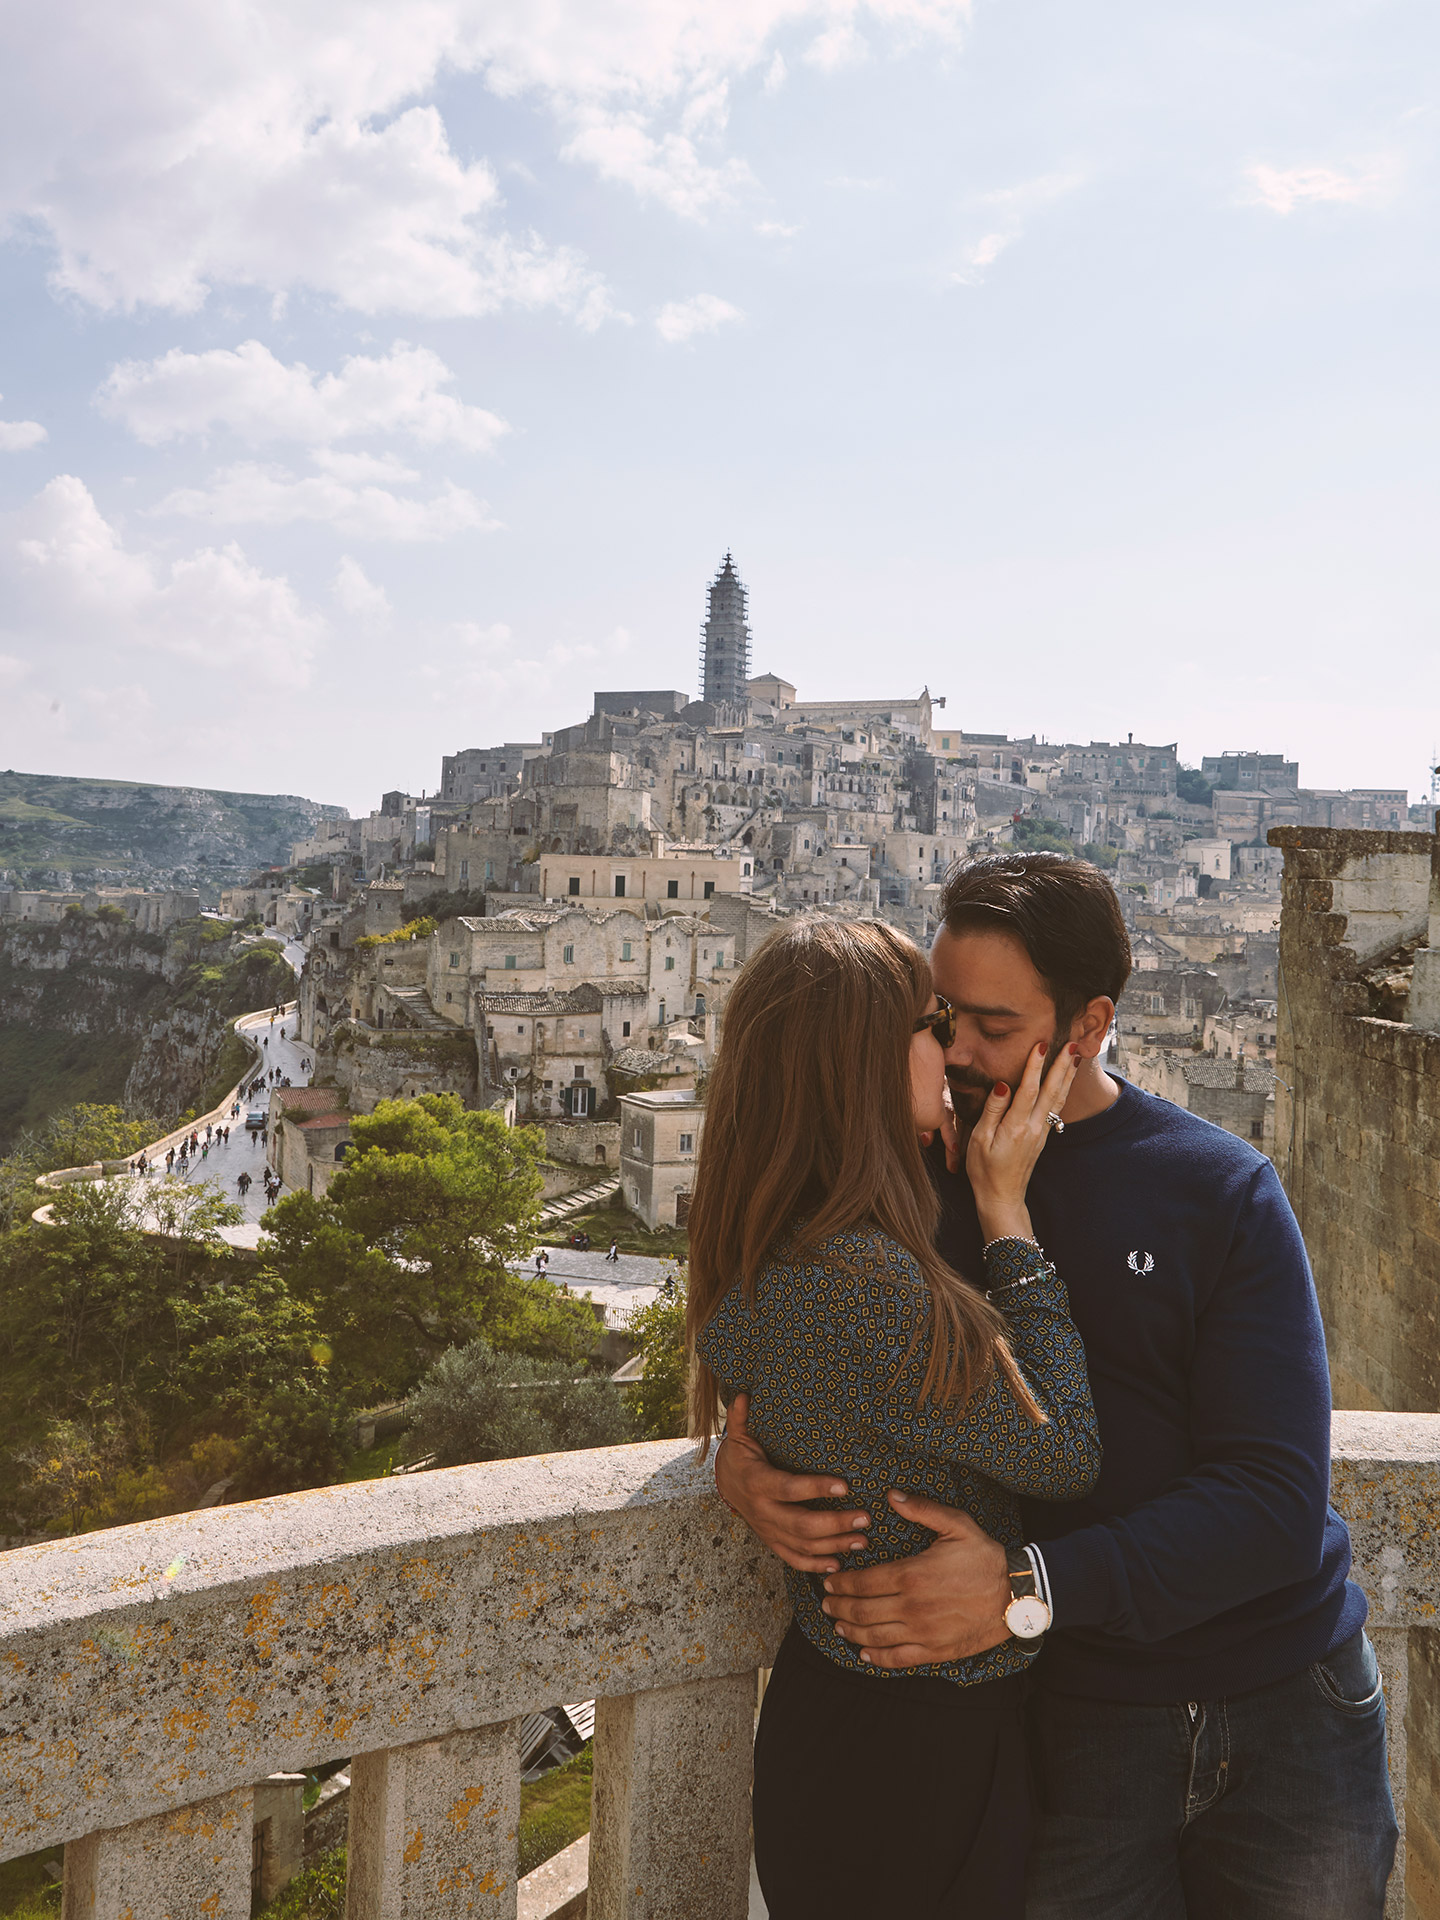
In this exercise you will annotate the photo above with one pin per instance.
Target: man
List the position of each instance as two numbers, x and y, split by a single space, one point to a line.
1207 1721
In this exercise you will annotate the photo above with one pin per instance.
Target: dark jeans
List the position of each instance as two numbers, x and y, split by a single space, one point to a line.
900 1799
1271 1805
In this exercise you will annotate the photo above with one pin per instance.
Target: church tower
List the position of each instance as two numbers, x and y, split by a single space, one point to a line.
725 638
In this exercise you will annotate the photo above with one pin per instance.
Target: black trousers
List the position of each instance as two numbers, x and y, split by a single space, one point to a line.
878 1798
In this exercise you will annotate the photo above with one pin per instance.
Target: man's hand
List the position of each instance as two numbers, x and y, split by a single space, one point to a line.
771 1502
945 1604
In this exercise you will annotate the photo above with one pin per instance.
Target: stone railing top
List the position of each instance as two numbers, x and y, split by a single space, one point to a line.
150 1666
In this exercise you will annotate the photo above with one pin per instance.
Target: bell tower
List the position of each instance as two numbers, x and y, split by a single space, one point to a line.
725 638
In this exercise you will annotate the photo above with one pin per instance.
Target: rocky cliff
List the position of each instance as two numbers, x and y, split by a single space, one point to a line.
73 834
93 1010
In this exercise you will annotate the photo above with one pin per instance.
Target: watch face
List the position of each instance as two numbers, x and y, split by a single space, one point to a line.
1027 1619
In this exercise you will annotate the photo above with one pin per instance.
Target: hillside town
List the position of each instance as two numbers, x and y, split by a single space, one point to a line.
555 928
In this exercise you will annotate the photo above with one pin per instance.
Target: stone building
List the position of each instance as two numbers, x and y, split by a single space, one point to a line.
659 1138
309 1136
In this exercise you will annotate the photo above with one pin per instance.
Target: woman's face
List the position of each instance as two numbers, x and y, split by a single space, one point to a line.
927 1075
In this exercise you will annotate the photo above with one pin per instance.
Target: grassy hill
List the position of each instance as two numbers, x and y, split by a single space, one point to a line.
62 832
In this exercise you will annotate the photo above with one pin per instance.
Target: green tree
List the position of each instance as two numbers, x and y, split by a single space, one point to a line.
122 1349
659 1400
476 1404
408 1252
1041 836
73 1137
1192 785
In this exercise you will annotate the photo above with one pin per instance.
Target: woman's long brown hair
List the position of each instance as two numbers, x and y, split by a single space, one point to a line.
808 1116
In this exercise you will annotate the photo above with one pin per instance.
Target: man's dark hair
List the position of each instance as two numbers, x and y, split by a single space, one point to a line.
1062 911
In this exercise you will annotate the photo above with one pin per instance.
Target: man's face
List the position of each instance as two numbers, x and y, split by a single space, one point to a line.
1002 1013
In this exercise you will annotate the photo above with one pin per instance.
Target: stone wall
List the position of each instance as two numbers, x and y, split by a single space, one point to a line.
1357 1119
370 1066
1357 1144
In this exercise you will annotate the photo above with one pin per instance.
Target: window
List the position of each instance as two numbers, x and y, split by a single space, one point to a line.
574 883
709 889
719 958
624 1029
464 873
1155 1003
579 1103
669 963
662 1013
687 1143
454 959
635 1139
582 1033
1257 1130
672 889
567 954
579 1073
519 1029
627 952
619 886
510 960
745 871
549 1084
448 998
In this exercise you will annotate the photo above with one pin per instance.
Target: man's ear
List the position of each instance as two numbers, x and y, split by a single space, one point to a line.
1091 1026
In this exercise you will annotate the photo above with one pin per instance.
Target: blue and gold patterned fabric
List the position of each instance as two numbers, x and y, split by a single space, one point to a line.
833 1353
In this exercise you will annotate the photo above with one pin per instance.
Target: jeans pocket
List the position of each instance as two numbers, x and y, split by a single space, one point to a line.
1349 1678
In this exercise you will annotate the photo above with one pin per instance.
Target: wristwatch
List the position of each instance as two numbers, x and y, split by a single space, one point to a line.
1027 1615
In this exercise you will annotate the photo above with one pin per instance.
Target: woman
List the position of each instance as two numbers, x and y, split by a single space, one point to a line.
815 1287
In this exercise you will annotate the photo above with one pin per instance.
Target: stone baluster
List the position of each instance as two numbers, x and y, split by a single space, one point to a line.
670 1815
434 1826
192 1863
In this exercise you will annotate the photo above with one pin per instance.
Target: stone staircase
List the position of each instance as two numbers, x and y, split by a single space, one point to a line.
569 1204
415 1004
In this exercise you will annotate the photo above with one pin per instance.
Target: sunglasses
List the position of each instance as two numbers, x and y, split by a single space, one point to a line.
941 1023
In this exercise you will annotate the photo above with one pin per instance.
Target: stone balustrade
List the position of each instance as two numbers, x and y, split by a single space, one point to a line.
156 1677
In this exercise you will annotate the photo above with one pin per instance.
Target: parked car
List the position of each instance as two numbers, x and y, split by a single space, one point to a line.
256 1120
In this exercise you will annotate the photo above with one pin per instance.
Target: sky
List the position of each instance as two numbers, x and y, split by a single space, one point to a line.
379 380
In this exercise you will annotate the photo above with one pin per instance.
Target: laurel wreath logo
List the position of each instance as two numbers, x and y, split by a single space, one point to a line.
1140 1262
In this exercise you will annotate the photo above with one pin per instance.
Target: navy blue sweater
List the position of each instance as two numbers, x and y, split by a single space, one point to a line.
1207 1560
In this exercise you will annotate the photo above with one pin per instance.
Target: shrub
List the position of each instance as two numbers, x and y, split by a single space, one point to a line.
476 1404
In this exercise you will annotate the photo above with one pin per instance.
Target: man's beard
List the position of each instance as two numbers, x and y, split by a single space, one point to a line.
970 1090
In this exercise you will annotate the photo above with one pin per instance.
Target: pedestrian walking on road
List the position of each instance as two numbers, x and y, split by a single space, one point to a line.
170 1161
244 1183
542 1261
613 1256
267 1039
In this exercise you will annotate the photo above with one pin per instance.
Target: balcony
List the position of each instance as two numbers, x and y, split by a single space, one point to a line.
156 1676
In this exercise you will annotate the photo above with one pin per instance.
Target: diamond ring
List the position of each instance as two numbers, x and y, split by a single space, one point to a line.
1054 1120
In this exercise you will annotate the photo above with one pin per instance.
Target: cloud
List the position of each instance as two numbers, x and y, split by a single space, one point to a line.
680 320
775 74
353 493
984 253
1282 189
668 169
1015 205
359 596
70 582
258 398
166 151
776 230
18 436
839 46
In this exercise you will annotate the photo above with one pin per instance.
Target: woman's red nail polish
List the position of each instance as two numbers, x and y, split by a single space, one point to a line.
1000 1088
1074 1050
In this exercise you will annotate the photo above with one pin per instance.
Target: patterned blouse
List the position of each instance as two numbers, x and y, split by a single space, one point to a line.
822 1356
